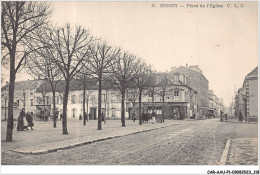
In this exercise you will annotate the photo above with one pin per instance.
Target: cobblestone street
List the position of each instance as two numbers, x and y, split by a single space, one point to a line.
191 142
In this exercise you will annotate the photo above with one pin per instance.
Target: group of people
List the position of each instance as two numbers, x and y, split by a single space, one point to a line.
25 121
146 116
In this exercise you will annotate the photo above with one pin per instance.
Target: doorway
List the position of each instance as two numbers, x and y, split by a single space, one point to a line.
93 113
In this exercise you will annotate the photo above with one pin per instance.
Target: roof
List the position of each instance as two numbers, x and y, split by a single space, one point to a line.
190 70
75 84
253 72
24 85
252 75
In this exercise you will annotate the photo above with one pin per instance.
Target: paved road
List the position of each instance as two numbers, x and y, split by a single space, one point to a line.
198 142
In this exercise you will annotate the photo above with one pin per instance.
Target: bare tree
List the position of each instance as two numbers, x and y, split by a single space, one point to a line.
86 81
162 89
102 57
151 90
143 72
39 65
4 95
42 99
18 20
122 76
132 96
68 48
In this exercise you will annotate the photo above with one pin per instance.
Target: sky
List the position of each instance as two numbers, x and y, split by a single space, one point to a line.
221 41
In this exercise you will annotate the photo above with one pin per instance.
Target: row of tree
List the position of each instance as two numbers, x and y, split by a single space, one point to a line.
66 53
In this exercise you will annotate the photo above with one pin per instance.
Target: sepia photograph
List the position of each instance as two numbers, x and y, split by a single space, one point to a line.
140 84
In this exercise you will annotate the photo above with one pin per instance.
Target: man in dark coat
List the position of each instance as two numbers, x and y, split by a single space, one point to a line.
61 116
240 116
29 120
20 126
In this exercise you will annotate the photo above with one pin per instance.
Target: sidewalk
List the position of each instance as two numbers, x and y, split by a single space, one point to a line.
243 151
44 138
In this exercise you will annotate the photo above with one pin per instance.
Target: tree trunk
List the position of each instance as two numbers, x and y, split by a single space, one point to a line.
84 101
153 100
123 108
54 109
44 98
5 108
87 108
9 133
163 108
140 106
65 103
24 100
105 115
99 101
133 116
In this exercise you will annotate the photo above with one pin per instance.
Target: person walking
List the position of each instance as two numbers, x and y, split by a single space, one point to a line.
240 116
61 116
20 125
29 120
153 116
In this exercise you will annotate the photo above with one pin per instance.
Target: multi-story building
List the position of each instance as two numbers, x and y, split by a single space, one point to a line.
25 95
180 99
246 99
239 102
250 87
197 81
110 99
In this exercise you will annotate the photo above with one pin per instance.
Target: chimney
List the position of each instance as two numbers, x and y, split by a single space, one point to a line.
186 65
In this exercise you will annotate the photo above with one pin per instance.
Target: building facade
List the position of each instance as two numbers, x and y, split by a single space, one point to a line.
246 98
197 81
25 95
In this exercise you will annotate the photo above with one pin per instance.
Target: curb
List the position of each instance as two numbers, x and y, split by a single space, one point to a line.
73 145
224 155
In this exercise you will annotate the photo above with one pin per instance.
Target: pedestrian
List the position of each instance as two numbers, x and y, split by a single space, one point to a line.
221 116
20 125
133 116
240 116
153 117
102 117
29 120
80 117
61 116
85 116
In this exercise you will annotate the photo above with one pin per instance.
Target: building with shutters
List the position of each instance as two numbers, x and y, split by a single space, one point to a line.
197 81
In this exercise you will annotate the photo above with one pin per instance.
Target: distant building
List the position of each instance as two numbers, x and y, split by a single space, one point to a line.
197 81
250 87
110 99
246 98
25 95
215 104
180 98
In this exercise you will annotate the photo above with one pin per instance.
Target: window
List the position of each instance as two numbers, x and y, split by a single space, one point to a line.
47 100
103 98
81 98
113 100
150 94
118 98
176 93
113 112
17 102
93 99
31 94
31 100
73 99
57 100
